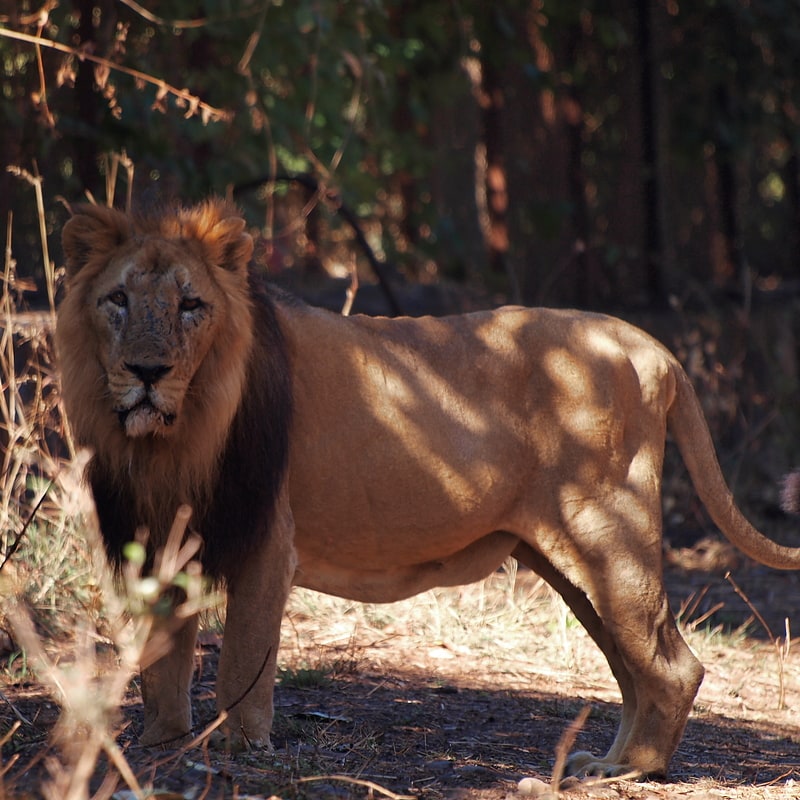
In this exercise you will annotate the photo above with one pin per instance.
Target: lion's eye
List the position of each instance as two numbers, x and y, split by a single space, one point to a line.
191 304
119 298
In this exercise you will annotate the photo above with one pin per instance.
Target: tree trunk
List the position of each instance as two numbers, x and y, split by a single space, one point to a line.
492 103
651 189
572 117
87 98
728 197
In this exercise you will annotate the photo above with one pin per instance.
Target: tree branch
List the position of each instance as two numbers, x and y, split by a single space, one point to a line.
195 105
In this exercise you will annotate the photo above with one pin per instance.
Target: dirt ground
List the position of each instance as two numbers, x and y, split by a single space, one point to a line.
370 708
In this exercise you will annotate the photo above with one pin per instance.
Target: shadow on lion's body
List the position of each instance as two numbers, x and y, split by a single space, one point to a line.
373 458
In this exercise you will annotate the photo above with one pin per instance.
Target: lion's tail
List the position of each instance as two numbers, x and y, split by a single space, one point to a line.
688 426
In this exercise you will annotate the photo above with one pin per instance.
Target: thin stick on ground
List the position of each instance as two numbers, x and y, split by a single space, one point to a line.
782 647
372 787
564 747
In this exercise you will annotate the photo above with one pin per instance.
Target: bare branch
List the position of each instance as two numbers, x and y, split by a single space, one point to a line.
183 24
46 113
171 23
193 103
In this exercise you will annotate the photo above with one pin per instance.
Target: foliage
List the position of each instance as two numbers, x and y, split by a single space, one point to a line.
386 100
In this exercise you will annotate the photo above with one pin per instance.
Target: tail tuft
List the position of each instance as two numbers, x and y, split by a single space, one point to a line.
790 493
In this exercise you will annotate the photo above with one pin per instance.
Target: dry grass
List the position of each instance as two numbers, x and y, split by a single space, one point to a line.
39 468
56 607
512 634
503 620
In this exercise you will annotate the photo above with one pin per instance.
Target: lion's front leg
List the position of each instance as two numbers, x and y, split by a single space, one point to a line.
256 600
165 689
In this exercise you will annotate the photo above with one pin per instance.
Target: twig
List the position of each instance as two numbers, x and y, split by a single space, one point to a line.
375 787
689 606
782 777
48 115
172 23
352 289
184 24
565 745
17 713
112 169
756 613
781 650
21 535
693 625
117 758
197 741
32 18
783 655
4 740
208 113
35 180
247 691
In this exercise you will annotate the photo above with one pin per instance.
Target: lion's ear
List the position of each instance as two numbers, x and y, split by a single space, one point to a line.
229 245
92 231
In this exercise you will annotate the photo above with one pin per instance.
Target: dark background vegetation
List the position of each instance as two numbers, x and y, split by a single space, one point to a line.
635 157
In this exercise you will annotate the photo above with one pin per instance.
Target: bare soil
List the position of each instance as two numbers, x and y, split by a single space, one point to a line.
372 708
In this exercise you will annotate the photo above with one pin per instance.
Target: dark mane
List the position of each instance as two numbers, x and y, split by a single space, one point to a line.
253 464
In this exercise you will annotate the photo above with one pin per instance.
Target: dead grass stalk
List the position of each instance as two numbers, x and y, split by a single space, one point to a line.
90 696
782 646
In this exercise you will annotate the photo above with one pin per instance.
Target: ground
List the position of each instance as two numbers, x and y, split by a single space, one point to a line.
460 695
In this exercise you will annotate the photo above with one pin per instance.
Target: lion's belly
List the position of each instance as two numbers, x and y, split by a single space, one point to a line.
389 583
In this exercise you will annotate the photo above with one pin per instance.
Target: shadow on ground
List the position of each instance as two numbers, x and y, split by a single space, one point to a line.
411 732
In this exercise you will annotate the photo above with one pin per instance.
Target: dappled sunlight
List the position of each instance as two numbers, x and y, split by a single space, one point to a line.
458 441
528 421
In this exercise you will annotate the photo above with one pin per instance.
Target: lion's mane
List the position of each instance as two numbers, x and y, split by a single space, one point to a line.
230 459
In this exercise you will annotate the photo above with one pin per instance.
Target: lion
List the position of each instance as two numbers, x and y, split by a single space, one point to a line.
375 458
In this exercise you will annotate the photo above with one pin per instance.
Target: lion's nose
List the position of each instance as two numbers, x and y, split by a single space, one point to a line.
148 374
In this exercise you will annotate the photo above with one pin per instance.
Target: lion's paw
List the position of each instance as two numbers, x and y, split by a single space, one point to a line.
586 765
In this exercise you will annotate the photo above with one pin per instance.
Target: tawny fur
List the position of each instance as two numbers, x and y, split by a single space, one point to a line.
376 458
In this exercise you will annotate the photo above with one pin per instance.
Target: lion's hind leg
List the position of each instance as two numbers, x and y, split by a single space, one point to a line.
579 603
657 674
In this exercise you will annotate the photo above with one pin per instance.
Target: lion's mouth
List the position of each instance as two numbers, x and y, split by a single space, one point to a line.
144 418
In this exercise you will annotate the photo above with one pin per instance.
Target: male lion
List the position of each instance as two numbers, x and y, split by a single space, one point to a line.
377 458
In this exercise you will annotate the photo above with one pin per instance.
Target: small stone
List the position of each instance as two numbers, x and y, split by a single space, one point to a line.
533 787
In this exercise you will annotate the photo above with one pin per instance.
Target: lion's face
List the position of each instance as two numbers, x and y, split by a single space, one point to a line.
156 312
155 328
